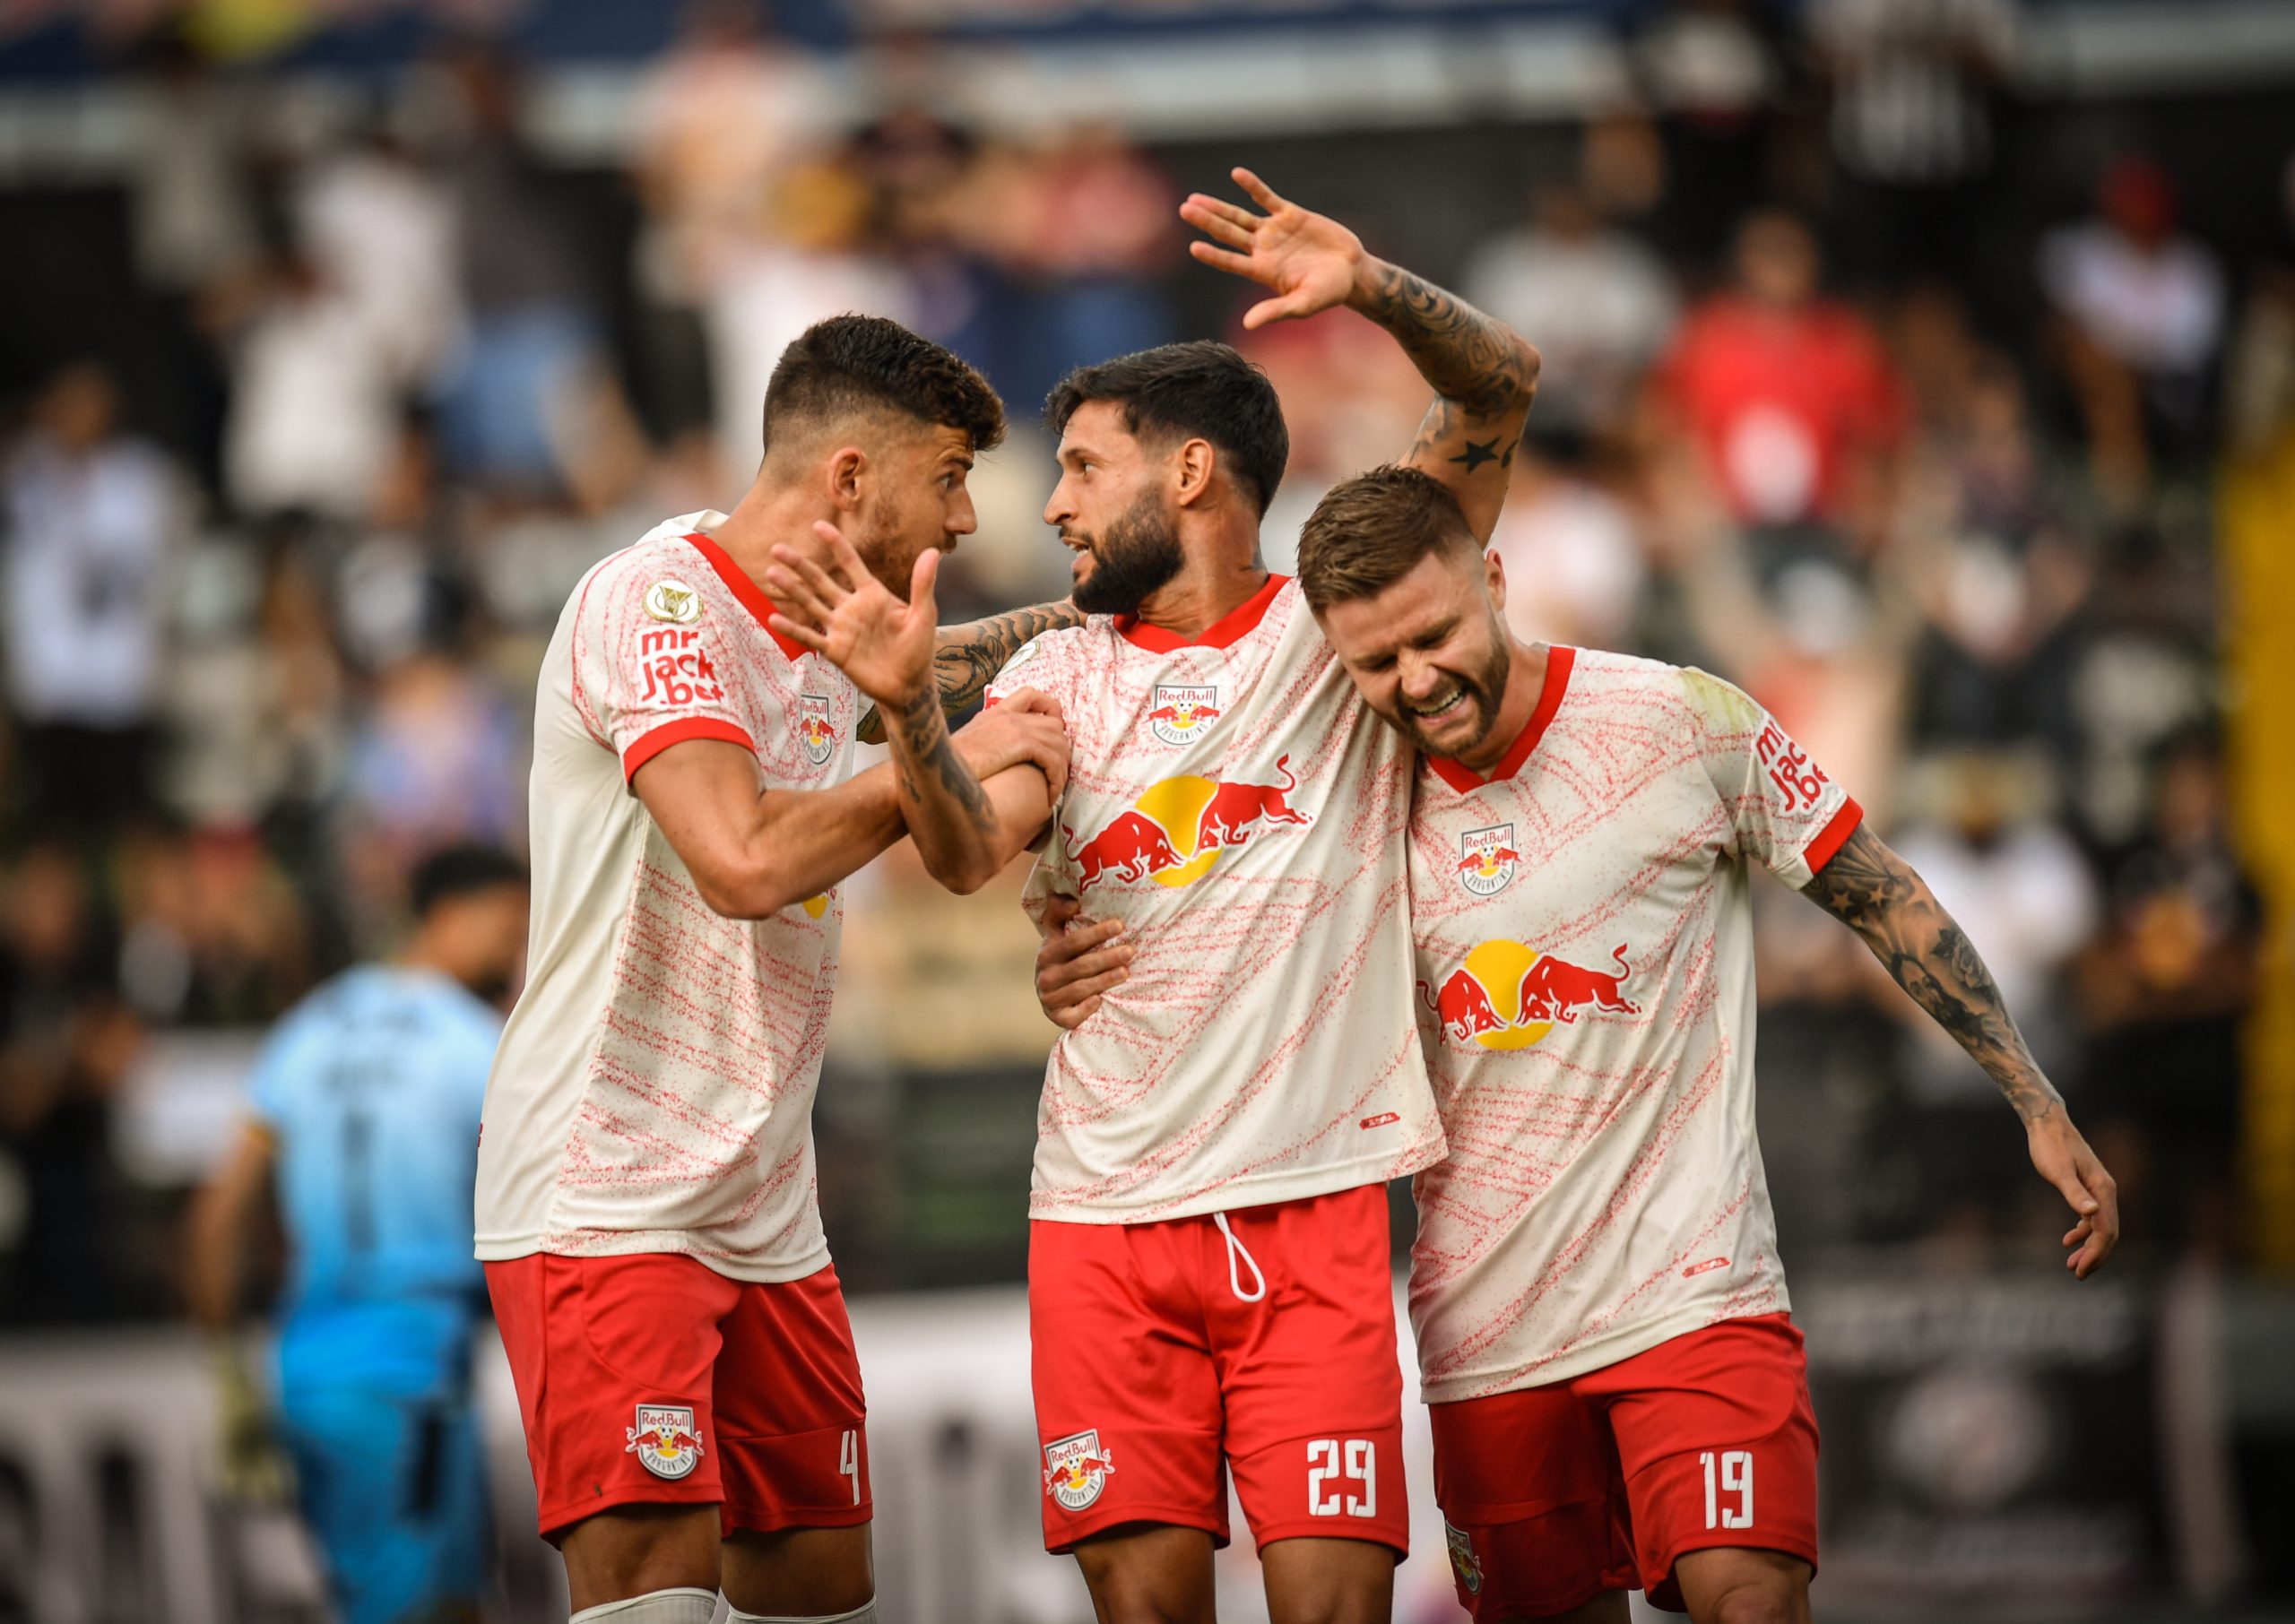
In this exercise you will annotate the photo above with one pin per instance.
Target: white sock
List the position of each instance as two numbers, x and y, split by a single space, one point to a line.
655 1607
866 1613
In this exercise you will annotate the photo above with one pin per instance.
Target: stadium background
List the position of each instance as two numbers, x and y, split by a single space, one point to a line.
337 340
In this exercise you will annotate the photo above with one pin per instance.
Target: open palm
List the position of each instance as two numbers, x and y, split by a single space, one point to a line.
844 613
1308 259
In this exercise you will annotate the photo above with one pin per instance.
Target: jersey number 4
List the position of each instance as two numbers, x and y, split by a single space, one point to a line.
1330 1460
1736 1477
848 1461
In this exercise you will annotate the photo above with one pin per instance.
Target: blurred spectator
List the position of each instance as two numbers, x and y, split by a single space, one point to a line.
1598 304
213 933
1571 551
1790 396
2144 311
378 229
92 518
1713 70
313 412
1913 130
2166 987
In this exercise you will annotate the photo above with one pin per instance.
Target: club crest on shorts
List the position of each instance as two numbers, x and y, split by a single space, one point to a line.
671 599
813 729
1463 1561
1181 714
1486 859
1075 1469
663 1440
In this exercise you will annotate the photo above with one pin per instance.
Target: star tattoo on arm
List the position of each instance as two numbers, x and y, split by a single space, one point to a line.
1478 452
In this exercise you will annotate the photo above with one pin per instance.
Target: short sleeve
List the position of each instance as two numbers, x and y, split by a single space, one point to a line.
647 667
1785 812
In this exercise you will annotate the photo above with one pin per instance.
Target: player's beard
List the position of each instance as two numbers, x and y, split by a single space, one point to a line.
1136 556
1486 691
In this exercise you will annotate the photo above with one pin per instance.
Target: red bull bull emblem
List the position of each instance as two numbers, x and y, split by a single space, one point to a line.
1486 860
1506 994
1075 1469
664 1441
1181 714
814 730
1175 831
1464 1563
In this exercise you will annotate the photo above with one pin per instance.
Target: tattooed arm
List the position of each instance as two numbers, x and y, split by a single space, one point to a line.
1482 372
1876 893
967 658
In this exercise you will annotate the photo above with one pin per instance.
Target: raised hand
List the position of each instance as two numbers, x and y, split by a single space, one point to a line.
845 614
1309 260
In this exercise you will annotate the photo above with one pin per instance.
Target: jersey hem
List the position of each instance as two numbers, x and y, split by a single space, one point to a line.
1221 1197
638 1243
1616 1349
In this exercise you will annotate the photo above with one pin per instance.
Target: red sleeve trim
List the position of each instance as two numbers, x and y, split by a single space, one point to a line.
1820 851
650 745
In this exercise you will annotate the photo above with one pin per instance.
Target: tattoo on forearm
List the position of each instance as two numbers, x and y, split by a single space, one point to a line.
967 658
1869 889
926 747
1473 360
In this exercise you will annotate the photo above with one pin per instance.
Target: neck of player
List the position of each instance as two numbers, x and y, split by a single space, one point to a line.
767 515
1525 682
1222 572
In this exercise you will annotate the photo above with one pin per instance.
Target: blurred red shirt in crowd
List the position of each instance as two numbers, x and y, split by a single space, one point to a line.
1790 398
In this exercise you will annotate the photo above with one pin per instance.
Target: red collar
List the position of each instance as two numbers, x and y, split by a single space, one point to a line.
738 582
1559 660
1227 629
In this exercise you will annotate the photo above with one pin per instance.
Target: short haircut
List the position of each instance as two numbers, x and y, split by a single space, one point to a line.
461 870
1368 532
853 363
1201 390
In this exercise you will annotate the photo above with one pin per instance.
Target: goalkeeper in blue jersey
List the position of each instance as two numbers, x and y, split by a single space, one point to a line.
364 1130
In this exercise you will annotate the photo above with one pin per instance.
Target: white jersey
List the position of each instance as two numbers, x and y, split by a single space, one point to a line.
654 1087
1236 803
1586 983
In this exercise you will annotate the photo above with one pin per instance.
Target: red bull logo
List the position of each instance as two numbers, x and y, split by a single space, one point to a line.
1486 860
1075 1469
815 732
1174 832
1507 995
1182 714
664 1441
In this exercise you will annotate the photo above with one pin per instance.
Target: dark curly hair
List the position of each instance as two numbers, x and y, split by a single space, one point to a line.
1198 390
859 363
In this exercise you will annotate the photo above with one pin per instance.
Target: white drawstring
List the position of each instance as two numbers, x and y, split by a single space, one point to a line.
1236 1249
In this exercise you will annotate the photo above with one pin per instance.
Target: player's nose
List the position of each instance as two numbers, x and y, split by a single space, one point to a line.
1057 508
963 518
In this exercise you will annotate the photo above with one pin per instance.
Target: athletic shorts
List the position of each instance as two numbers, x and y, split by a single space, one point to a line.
652 1379
1260 1341
1552 1495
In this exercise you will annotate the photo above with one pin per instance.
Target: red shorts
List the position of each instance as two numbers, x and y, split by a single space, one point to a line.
1167 1353
652 1379
1553 1495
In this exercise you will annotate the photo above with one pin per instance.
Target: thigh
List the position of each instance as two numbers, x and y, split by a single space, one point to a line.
1534 1506
1143 1574
1319 1581
792 1417
1718 1444
1300 1303
1128 1411
1726 1582
614 1361
799 1573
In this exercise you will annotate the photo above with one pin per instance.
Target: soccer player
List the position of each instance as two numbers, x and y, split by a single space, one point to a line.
1208 1285
646 1204
1619 1395
366 1101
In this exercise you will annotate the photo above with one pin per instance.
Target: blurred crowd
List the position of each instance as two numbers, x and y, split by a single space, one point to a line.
1830 406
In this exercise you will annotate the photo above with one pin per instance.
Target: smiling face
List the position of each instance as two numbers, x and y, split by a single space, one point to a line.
1431 654
912 497
1113 507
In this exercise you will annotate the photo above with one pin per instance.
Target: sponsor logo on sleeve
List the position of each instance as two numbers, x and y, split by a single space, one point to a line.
1174 832
1508 995
1487 859
1181 715
674 669
1075 1469
671 599
664 1441
815 731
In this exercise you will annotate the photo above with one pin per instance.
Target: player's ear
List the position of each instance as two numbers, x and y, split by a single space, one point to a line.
1191 471
847 474
1494 574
